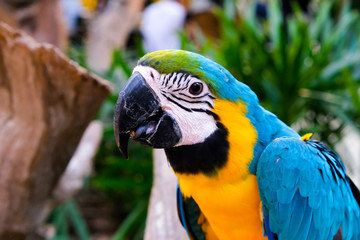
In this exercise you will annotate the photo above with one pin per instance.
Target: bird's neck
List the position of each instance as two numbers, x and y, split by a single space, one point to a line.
224 155
233 211
230 191
205 157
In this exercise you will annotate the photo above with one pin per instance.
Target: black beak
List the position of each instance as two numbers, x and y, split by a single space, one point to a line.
138 115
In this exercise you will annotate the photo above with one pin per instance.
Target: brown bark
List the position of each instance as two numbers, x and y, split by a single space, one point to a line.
46 102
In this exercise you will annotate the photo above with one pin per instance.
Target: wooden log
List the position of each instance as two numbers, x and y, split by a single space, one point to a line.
110 30
46 102
81 163
162 219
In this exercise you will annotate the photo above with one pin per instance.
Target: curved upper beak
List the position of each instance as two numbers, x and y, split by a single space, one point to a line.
138 115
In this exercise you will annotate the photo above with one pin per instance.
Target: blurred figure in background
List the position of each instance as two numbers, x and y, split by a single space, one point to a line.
162 21
72 10
75 19
160 25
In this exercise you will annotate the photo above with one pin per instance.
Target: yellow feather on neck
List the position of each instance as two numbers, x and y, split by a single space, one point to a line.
242 139
230 199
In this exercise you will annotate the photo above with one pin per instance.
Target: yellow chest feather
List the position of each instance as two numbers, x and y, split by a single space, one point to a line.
230 199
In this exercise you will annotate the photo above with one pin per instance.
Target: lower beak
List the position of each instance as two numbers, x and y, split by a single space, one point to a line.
138 115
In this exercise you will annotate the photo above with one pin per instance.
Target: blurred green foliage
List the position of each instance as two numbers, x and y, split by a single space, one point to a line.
68 215
306 70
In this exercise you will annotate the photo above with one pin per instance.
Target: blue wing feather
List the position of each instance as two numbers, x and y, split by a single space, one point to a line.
305 191
189 213
270 235
180 206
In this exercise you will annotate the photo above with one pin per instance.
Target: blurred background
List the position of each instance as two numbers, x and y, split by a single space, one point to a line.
302 58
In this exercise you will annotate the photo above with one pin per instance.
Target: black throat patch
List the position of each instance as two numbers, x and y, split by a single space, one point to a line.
205 157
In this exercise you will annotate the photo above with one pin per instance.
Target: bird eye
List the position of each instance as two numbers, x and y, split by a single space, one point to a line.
196 88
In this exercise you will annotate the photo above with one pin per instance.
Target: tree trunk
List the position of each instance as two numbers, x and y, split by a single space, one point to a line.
110 30
46 102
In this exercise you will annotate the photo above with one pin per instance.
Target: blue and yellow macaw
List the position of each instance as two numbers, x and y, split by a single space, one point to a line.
242 173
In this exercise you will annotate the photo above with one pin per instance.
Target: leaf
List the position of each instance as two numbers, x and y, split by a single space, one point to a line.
346 62
321 19
131 222
120 62
77 220
275 22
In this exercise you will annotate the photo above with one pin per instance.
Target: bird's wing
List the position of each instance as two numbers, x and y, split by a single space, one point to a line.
189 214
305 191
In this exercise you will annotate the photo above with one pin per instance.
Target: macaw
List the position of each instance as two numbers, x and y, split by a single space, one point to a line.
242 173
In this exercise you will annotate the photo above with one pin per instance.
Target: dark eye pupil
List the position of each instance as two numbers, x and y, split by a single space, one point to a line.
196 88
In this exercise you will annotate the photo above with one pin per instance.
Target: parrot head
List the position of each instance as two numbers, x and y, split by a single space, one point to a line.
169 102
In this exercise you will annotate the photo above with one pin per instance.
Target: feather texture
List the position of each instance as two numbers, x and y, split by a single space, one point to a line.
305 191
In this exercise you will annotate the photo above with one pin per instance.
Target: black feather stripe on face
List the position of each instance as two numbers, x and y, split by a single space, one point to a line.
174 87
206 157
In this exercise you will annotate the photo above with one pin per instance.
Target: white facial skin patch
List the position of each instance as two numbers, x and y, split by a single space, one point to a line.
187 99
